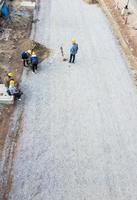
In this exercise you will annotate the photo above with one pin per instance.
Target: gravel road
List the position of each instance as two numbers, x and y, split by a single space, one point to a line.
79 136
132 3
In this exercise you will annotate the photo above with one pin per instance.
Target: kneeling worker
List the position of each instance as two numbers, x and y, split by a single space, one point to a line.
13 90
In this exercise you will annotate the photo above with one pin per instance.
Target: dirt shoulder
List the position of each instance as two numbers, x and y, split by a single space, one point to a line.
125 33
14 38
13 33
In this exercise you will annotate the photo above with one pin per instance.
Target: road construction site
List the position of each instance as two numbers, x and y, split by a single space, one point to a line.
73 135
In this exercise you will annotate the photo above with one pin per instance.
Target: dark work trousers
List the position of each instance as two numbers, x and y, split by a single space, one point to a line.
34 67
72 58
18 94
25 62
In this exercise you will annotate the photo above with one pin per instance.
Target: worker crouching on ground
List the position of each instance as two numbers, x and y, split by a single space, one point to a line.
26 57
34 62
73 51
14 91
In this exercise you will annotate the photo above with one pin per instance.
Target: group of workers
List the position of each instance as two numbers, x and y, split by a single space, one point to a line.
30 59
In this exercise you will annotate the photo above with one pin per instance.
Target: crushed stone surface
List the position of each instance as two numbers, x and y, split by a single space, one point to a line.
79 137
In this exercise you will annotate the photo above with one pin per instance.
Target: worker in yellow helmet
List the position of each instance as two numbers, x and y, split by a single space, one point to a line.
14 91
29 51
73 51
8 78
25 55
34 62
73 40
11 87
11 83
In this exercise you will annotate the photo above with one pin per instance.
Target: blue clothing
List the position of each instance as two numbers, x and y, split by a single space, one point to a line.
25 55
34 60
5 11
12 90
74 49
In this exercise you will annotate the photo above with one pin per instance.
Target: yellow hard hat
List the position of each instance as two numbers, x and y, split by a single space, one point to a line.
11 83
33 53
73 40
10 74
29 51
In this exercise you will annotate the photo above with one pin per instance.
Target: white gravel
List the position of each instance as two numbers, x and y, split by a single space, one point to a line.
79 138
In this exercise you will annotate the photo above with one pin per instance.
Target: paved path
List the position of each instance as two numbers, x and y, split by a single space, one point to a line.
79 137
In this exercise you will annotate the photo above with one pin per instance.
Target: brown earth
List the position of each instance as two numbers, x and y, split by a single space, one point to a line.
13 41
15 32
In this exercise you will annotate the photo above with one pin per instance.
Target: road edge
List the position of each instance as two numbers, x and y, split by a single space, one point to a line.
14 132
122 39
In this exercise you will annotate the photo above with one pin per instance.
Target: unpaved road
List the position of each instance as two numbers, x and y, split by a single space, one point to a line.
132 3
79 137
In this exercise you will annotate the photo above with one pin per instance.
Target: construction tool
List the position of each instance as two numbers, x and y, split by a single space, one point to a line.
63 55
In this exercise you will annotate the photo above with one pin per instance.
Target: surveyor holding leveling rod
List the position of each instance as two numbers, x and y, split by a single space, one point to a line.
73 52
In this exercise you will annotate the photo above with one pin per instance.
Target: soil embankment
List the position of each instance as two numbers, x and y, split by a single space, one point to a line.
14 31
125 33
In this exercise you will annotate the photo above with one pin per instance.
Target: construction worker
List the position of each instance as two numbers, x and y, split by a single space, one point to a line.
11 83
10 88
14 91
73 51
34 62
7 79
26 57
